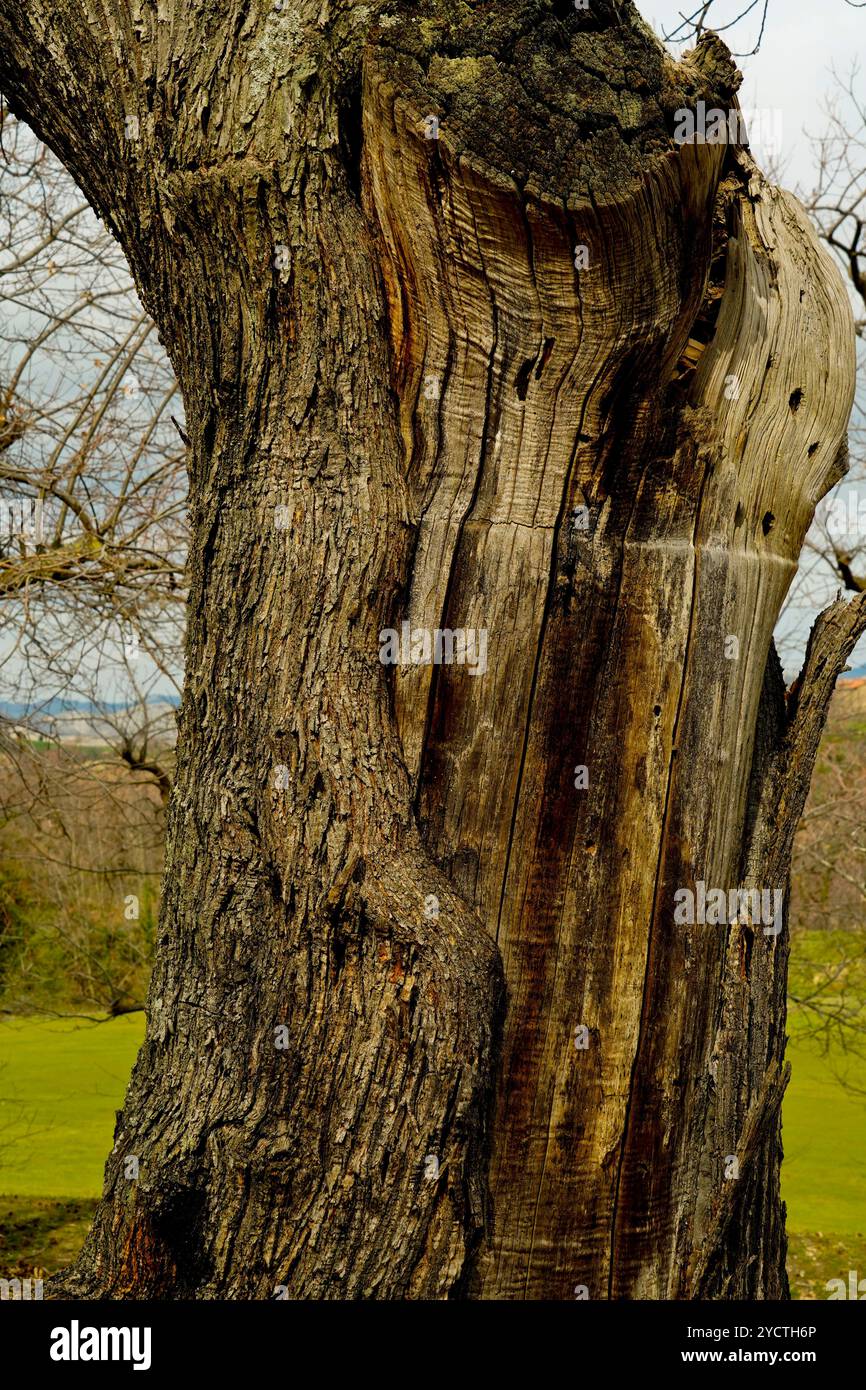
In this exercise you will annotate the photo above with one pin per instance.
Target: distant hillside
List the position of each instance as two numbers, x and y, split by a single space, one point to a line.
90 723
55 706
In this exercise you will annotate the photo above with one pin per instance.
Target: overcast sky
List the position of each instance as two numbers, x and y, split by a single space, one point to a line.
792 71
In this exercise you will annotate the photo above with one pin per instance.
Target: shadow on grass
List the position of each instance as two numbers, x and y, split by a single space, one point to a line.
40 1235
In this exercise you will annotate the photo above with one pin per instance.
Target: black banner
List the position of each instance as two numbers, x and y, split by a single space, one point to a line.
424 1340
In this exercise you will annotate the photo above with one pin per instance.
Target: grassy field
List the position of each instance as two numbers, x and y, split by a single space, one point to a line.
824 1134
40 1235
61 1082
824 1138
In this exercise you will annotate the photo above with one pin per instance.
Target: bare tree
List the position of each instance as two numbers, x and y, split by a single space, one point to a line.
80 858
508 413
837 202
92 553
92 475
706 18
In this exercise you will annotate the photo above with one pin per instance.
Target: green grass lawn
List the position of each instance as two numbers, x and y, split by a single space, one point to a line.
823 1184
824 1137
61 1082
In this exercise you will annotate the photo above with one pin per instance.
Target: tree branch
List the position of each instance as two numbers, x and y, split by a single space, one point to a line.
831 641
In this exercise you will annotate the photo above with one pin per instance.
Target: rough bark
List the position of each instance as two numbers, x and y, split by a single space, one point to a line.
308 295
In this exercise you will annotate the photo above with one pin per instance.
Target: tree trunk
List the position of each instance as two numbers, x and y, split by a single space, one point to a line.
466 341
